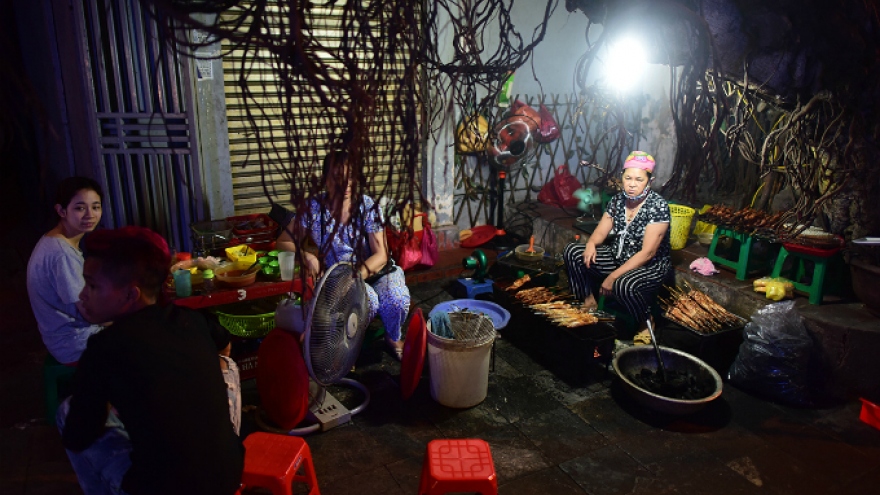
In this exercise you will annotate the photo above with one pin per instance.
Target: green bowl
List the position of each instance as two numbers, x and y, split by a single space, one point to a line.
270 273
274 264
264 260
273 254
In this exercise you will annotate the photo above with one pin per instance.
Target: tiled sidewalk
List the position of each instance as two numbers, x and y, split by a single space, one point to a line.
548 435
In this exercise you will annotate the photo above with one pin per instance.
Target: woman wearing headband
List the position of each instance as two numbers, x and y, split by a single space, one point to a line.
633 267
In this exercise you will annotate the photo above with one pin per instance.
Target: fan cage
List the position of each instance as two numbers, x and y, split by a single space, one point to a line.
339 317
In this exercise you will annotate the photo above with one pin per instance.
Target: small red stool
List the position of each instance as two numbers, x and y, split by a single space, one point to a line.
271 461
458 466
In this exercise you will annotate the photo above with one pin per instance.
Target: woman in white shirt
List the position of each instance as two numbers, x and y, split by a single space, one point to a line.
54 272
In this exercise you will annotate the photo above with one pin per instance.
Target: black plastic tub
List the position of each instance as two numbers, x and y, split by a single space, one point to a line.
718 349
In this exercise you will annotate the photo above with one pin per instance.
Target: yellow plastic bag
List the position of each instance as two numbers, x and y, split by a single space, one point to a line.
775 289
472 135
703 227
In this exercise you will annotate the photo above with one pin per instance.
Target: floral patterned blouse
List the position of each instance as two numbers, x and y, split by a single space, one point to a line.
320 225
630 237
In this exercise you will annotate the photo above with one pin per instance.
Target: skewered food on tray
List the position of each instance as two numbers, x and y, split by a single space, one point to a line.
519 283
565 315
743 220
538 295
694 309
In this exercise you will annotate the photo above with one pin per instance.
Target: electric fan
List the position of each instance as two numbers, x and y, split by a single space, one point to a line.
588 198
336 321
513 143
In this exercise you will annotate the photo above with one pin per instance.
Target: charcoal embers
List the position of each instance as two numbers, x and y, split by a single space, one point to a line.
679 384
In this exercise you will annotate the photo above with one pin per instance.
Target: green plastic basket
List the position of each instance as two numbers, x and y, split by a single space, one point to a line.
248 326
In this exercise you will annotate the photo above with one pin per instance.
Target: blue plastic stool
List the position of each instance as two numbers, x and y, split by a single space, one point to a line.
56 377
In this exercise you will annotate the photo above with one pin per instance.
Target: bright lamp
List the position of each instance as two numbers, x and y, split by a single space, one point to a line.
624 64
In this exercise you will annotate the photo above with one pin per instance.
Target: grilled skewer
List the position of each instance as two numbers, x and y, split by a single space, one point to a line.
694 309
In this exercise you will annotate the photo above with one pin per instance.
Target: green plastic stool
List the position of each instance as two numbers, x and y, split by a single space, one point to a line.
56 379
629 322
741 264
820 258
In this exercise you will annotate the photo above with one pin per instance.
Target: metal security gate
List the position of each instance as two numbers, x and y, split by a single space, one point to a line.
265 103
143 124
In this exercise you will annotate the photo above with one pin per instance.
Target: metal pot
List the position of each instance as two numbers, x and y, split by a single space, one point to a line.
634 359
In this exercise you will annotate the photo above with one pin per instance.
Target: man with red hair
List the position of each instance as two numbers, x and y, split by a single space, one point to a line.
157 368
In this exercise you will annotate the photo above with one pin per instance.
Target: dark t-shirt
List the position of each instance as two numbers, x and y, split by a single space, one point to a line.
158 367
630 237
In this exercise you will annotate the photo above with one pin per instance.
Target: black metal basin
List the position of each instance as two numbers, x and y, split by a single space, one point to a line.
632 360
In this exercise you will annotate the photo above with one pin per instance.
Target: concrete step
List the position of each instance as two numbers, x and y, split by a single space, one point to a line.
846 335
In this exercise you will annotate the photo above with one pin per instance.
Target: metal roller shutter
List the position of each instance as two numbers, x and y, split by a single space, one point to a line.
247 179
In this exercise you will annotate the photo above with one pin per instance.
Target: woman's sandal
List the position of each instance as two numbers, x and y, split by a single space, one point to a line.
642 338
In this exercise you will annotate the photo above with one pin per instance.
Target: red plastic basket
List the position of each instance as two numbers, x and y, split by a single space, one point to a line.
830 248
241 224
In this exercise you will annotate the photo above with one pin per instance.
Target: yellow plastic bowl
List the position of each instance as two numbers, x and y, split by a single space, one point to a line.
242 253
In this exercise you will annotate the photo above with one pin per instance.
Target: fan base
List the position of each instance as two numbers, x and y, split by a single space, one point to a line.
329 414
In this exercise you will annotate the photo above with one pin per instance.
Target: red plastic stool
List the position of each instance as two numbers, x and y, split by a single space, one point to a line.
271 461
458 466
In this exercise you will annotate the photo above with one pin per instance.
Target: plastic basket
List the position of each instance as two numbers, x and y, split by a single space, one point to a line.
214 234
680 226
248 326
253 224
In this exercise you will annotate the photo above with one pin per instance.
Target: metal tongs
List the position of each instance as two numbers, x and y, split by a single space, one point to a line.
657 349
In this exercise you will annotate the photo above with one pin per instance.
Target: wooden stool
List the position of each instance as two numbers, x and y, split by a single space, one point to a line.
56 382
463 465
271 462
741 264
820 259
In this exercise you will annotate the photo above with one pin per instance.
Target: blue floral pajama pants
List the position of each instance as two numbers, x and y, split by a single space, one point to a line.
389 297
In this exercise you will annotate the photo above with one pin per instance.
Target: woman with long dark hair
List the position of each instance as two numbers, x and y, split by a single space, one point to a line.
330 224
54 272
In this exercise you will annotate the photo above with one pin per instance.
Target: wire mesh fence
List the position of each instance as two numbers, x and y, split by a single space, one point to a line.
595 134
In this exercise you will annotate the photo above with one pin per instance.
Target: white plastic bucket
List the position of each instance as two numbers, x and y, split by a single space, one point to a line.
460 369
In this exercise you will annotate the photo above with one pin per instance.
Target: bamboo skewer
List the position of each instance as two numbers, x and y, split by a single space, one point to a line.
694 309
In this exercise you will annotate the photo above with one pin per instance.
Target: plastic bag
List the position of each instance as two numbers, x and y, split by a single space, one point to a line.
405 247
548 129
775 289
774 357
472 135
430 251
560 190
